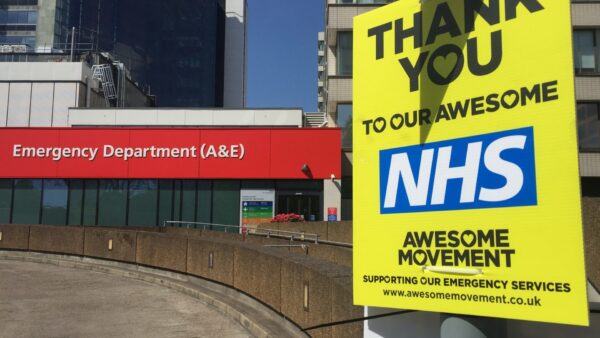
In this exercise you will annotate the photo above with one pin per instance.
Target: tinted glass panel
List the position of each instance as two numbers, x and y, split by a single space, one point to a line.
27 201
75 201
226 202
585 54
177 200
299 185
54 202
175 47
165 204
188 201
143 196
90 202
5 200
204 205
344 53
112 202
344 121
588 125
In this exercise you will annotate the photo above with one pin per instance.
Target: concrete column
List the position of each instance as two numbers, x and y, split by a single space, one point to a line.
234 91
332 196
45 25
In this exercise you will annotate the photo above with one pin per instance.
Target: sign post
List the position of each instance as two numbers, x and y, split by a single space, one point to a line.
465 160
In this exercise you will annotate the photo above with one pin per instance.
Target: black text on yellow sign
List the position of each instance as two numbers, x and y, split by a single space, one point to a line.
466 184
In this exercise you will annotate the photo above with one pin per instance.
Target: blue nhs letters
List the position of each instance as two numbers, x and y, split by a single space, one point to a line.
484 171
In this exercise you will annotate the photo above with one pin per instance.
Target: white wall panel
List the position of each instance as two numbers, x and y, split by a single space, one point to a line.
3 103
41 104
18 105
65 96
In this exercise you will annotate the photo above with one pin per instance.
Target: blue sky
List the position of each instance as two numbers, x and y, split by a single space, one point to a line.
282 53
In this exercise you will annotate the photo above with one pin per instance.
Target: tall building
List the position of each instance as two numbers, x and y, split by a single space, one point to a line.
337 82
188 53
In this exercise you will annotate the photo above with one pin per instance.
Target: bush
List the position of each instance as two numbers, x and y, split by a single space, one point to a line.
291 217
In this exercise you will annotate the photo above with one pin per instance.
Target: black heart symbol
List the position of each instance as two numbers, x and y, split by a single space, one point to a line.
510 98
379 124
468 238
420 257
445 64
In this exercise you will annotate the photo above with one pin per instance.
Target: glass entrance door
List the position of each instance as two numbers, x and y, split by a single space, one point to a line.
307 205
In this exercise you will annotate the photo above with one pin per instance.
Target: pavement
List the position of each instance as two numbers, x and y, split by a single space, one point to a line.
44 296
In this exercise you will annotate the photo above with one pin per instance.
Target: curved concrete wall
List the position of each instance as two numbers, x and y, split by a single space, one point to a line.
275 277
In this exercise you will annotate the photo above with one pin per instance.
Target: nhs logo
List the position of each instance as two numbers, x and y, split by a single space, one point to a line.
485 171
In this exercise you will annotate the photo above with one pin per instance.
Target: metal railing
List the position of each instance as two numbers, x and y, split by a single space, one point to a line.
275 233
291 235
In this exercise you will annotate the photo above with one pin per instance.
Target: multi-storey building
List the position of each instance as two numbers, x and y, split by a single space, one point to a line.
187 53
338 80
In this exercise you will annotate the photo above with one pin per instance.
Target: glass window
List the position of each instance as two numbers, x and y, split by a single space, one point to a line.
177 200
188 201
12 17
344 121
6 186
54 202
584 43
299 185
588 125
3 17
112 202
143 196
204 203
22 17
226 202
32 18
344 53
27 201
347 187
165 201
90 200
75 202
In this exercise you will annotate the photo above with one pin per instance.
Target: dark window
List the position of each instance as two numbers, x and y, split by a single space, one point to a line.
54 202
188 201
588 126
90 200
307 205
226 202
5 200
75 202
344 53
347 187
344 121
112 202
19 2
143 196
27 201
165 201
586 55
204 203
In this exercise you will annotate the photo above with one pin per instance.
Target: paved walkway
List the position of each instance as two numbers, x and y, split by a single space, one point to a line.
39 300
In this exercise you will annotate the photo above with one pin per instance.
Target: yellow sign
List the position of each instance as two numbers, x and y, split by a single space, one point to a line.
466 174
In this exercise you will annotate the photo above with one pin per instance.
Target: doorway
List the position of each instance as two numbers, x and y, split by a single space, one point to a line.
305 204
